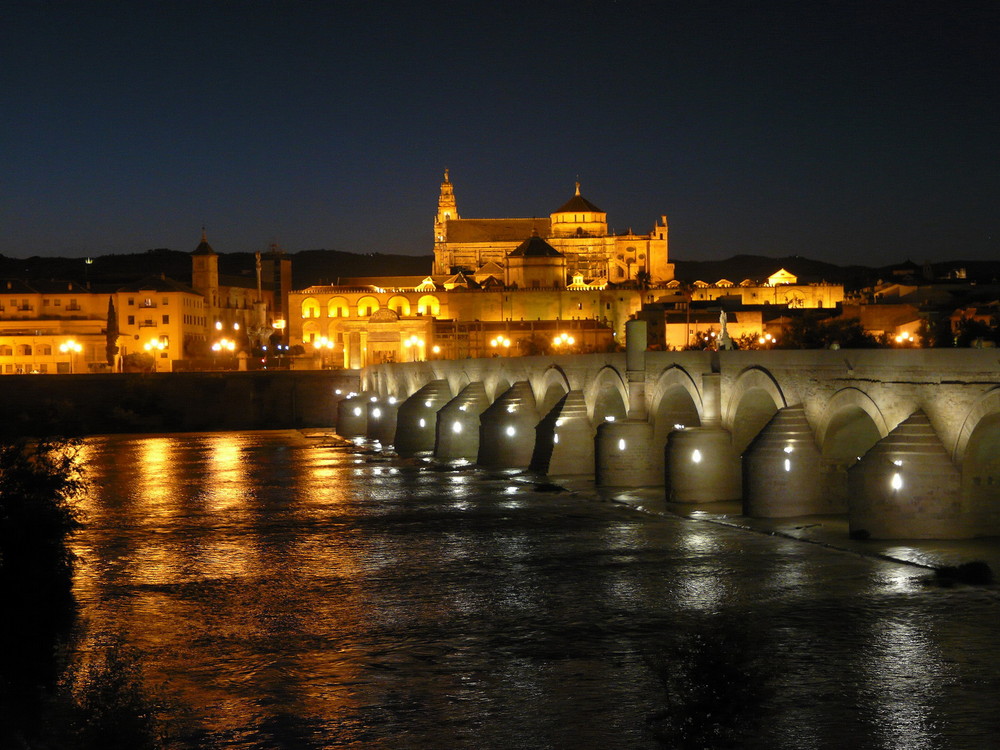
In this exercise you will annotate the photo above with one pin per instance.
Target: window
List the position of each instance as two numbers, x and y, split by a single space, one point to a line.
131 300
6 351
44 350
24 350
166 319
165 300
131 320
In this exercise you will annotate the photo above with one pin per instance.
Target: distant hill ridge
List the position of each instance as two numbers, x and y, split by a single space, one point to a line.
314 267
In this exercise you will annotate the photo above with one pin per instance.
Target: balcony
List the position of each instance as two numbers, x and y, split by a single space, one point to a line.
147 324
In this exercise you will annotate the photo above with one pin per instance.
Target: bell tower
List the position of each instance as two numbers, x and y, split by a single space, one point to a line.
447 208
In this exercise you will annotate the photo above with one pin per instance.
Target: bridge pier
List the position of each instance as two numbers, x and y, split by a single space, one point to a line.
781 469
625 454
457 426
416 419
382 419
906 487
507 429
352 416
564 439
701 464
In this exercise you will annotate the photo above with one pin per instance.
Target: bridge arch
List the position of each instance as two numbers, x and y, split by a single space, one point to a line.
977 452
675 400
552 386
754 399
607 396
851 424
987 405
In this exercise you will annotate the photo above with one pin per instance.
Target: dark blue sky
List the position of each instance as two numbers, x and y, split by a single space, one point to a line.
848 132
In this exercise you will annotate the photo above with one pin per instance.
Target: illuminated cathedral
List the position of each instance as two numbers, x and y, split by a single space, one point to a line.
577 231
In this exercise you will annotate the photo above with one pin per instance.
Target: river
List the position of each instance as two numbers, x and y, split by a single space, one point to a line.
287 592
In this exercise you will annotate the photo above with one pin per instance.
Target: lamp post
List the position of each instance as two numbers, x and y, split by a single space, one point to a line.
413 344
72 348
323 345
153 346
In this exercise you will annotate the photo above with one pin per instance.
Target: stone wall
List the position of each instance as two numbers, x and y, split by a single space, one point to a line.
170 402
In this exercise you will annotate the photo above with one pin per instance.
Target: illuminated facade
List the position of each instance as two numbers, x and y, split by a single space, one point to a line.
578 230
780 288
370 320
61 327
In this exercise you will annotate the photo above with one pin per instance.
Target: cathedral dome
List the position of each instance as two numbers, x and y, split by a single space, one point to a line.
578 204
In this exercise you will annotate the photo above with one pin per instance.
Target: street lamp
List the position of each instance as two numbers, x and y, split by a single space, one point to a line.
72 348
414 343
319 345
563 339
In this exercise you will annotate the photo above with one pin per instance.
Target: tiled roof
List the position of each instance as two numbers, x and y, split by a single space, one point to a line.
495 230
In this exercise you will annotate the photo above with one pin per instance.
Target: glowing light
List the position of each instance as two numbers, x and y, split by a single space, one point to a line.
373 399
463 407
897 462
563 339
436 349
788 464
376 413
788 449
555 437
696 456
678 426
559 422
897 481
621 444
427 404
392 400
456 427
511 432
423 423
70 346
511 408
338 391
609 418
501 342
357 411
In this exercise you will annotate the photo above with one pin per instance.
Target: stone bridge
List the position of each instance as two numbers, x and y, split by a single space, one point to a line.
906 442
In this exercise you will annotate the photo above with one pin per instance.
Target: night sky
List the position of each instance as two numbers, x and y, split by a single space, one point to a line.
850 132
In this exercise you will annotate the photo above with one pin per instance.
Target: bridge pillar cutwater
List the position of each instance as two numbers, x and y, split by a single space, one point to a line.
507 429
352 416
701 464
781 470
457 425
624 452
625 455
382 419
416 419
906 487
564 439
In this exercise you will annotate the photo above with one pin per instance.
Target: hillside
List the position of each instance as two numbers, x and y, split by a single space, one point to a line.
314 267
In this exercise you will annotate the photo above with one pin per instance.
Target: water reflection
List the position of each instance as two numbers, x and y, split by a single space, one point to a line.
290 595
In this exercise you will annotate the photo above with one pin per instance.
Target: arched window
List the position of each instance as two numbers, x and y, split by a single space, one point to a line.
6 351
399 305
367 306
310 331
44 350
428 305
310 308
338 308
